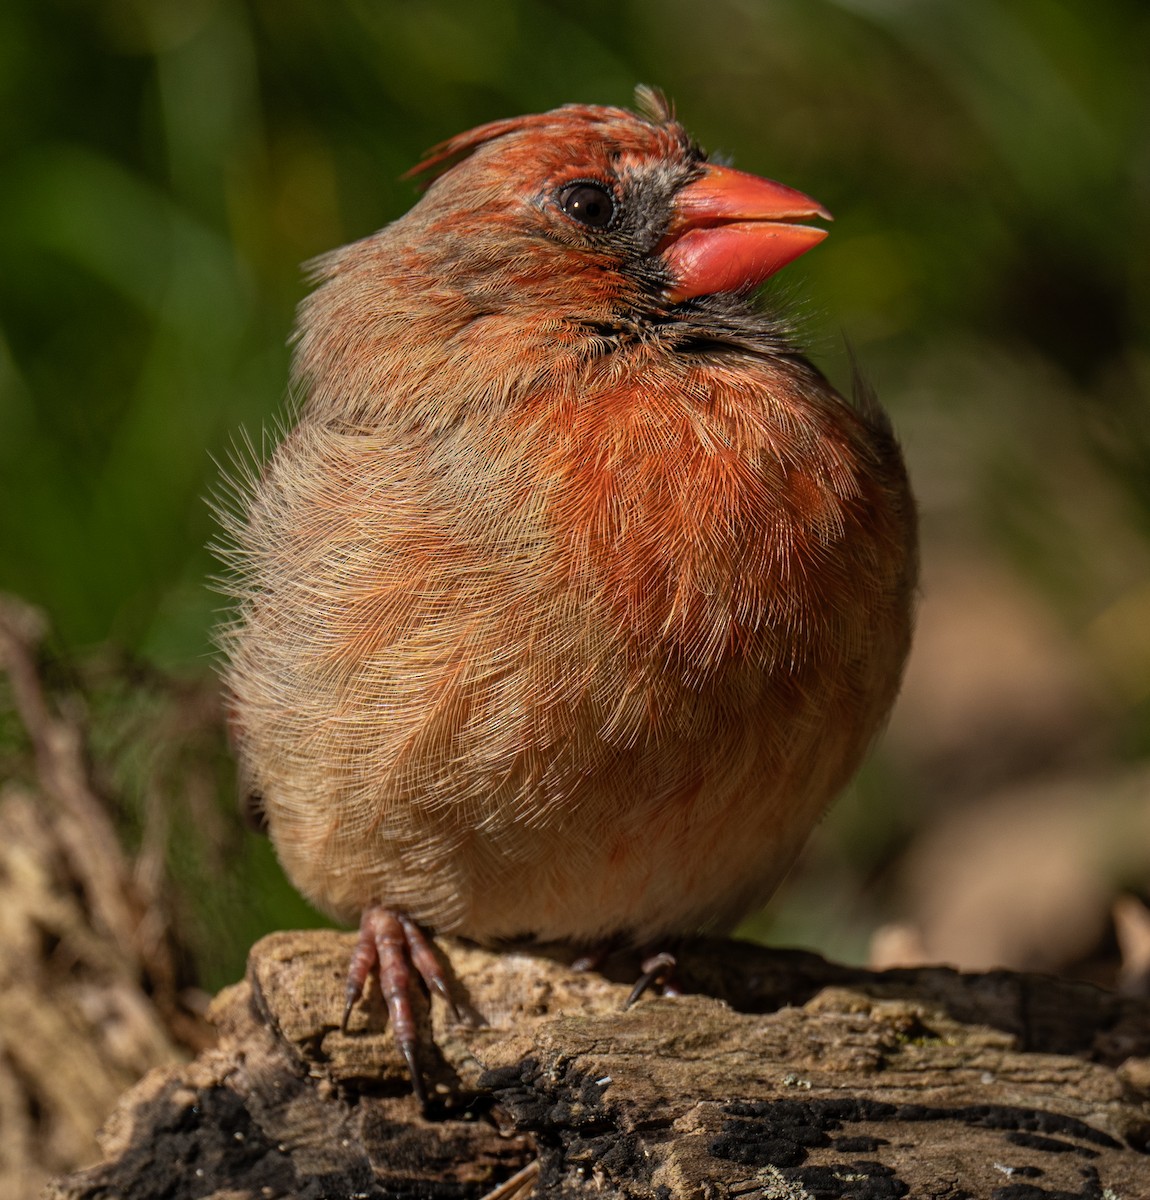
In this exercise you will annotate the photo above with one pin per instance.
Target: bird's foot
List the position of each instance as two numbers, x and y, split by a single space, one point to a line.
658 971
591 961
594 958
389 945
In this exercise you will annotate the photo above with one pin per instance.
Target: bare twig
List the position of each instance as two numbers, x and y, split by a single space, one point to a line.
85 832
519 1186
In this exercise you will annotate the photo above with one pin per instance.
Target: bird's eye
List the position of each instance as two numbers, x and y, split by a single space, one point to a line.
588 203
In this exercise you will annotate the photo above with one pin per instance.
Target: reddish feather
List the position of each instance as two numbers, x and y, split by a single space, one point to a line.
564 609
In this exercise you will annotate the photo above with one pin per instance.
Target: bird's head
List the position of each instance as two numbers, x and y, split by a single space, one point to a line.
534 232
626 203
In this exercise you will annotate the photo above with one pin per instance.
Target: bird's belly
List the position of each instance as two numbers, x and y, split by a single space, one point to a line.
586 836
687 863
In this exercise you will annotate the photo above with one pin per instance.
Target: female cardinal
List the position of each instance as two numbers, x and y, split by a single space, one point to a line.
575 593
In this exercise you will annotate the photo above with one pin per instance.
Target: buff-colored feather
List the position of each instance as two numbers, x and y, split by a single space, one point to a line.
562 612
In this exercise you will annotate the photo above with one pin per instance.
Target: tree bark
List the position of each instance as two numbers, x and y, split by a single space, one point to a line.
783 1076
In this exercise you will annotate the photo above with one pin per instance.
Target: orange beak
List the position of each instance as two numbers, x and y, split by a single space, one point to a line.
730 232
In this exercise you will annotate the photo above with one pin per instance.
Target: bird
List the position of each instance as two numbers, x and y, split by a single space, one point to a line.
573 592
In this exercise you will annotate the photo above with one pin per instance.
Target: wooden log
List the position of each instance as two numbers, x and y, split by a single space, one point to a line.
785 1076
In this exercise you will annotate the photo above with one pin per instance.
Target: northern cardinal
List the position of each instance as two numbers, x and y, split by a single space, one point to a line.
575 593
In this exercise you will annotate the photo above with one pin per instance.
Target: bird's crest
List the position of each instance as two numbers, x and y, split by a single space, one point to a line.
650 103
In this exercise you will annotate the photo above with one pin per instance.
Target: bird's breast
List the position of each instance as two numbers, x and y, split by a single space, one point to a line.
701 525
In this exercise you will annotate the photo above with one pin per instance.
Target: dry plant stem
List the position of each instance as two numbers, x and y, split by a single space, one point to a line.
94 853
519 1186
121 896
88 999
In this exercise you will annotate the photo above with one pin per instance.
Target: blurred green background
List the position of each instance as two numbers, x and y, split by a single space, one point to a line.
168 164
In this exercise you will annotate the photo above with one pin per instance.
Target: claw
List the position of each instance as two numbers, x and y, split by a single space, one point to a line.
658 969
408 1047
